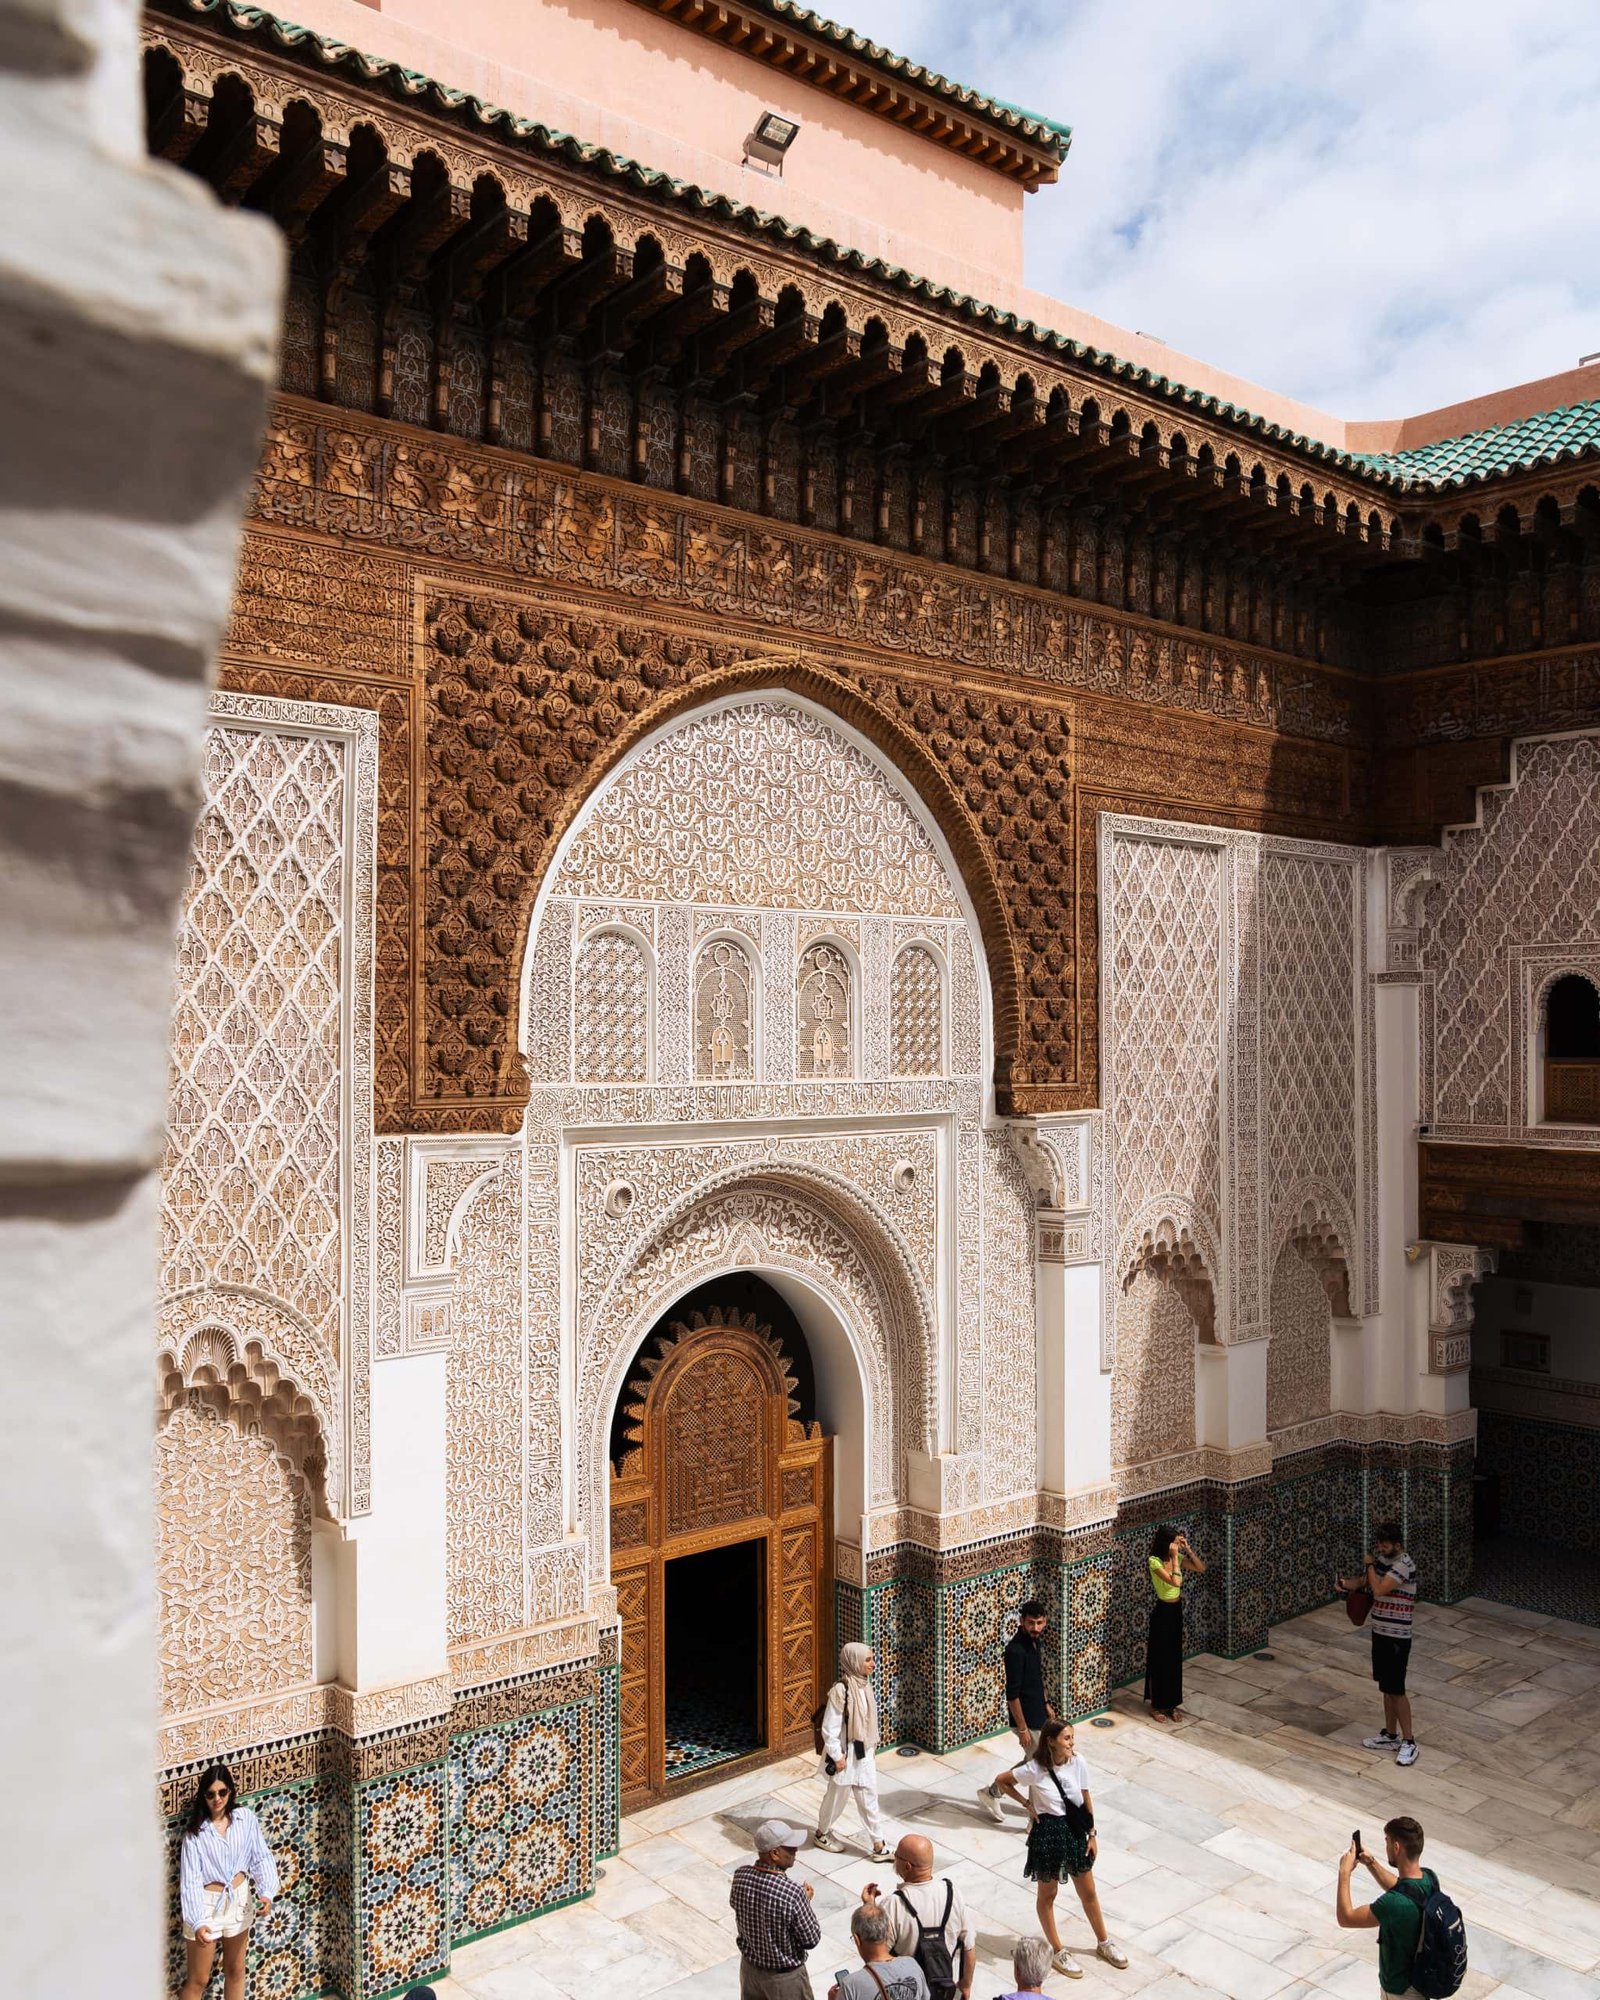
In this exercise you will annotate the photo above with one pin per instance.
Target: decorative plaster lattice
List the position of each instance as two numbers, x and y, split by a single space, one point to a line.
250 1183
916 1013
1525 874
1299 1359
612 998
267 1172
759 804
823 1021
484 1437
233 1563
1310 1037
725 1009
1164 1030
1152 1383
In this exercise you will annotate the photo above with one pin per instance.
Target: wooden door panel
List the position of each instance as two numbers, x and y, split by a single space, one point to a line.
634 1679
717 1458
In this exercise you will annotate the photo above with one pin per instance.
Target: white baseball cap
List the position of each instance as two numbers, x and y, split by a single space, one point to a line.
773 1833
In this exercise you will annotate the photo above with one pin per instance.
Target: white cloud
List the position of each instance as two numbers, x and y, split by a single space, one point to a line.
1379 206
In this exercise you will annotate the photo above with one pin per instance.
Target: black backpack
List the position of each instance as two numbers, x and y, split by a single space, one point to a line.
932 1953
1441 1961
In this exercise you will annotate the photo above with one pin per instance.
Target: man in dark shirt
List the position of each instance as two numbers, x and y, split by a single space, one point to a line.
1026 1702
1396 1915
777 1925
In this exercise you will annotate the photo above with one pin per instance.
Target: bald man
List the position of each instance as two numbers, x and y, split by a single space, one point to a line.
925 1911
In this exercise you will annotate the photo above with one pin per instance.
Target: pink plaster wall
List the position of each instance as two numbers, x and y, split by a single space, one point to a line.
616 75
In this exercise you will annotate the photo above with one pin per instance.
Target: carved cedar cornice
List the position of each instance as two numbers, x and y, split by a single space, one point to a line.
1303 489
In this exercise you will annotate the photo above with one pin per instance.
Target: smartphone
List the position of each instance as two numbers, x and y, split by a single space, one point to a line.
1356 1837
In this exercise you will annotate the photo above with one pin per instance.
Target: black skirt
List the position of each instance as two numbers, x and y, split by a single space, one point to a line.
1163 1660
1055 1850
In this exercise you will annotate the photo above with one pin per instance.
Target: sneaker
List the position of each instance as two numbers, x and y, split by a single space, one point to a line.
1382 1741
1409 1753
830 1843
1065 1963
1112 1953
882 1851
989 1799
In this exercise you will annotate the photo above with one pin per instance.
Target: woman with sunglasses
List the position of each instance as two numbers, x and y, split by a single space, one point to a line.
222 1854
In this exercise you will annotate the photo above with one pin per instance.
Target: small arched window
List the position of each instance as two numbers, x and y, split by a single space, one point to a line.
1572 1052
612 1005
824 1012
724 1013
916 1014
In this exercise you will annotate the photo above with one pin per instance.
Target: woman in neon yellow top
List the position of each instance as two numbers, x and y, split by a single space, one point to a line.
1163 1660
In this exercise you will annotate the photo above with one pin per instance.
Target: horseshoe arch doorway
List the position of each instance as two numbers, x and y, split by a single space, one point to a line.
721 1497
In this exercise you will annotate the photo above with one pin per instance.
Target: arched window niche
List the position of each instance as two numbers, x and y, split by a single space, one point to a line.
1569 1037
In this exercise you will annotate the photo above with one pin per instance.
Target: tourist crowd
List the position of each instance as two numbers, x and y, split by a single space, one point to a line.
918 1942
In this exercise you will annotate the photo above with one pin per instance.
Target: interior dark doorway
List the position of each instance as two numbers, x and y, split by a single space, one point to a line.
715 1672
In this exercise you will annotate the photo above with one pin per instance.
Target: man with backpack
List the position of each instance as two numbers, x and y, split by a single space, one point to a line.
1422 1940
929 1920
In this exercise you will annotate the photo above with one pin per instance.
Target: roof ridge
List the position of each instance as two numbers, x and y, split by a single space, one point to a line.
1050 132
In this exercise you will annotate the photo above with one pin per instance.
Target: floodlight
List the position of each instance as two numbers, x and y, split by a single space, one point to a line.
771 139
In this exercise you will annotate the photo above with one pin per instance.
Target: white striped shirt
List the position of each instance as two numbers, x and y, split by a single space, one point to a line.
214 1856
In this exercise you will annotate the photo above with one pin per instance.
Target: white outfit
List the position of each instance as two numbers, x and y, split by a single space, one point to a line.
857 1776
215 1856
1034 1781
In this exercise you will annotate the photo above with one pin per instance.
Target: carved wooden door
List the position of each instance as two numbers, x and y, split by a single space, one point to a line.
716 1456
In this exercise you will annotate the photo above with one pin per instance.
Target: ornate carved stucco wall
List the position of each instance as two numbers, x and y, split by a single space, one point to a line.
1504 906
1240 1123
263 1323
753 833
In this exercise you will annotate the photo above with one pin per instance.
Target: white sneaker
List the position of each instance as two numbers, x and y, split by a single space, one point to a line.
830 1843
1112 1953
989 1799
882 1851
1382 1741
1065 1963
1409 1753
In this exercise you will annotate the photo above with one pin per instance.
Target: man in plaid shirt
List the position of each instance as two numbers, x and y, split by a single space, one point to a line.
777 1925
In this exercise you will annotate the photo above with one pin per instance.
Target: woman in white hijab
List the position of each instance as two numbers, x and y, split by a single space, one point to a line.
849 1738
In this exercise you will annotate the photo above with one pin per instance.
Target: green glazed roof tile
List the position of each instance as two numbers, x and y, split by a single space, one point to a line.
1546 438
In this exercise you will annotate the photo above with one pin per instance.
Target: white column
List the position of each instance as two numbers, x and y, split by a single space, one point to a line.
136 318
391 1566
1231 1394
1074 1395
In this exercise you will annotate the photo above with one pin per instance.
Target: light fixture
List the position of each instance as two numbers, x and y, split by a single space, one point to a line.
771 139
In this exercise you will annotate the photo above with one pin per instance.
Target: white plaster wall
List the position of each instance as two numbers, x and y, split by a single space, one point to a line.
136 326
1074 1427
392 1626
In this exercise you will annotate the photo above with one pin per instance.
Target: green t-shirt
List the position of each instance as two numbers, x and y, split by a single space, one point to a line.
1167 1592
1399 1915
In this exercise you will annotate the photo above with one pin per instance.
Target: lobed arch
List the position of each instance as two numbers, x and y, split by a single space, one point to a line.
1170 1243
1322 1242
906 766
806 1231
252 1357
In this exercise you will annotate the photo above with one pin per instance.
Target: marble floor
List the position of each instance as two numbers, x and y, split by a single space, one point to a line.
1218 1839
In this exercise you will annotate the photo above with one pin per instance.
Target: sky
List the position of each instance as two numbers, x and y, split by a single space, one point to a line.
1378 206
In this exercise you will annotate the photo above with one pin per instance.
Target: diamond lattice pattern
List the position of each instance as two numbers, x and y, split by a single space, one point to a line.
1531 871
917 1014
251 1176
612 1007
1164 1023
1309 1023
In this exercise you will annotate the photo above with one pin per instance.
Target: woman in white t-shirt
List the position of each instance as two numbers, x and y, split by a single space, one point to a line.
1054 1786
